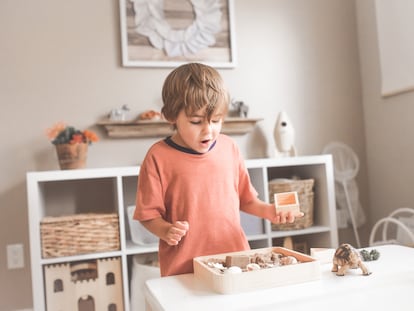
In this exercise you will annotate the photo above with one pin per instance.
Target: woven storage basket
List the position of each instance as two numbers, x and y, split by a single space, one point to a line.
79 234
304 188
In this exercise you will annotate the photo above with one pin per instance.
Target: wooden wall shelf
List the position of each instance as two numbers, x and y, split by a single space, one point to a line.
160 128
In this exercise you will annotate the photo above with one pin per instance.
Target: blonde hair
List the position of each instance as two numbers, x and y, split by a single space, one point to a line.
191 87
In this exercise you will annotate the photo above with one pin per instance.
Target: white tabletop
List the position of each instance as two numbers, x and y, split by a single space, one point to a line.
389 287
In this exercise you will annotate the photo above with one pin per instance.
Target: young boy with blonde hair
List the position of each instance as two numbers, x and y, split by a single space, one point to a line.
193 184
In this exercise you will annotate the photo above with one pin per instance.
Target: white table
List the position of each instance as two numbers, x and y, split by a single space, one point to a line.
389 287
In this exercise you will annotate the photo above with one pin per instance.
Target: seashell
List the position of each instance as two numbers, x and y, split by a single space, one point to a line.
252 267
288 260
233 270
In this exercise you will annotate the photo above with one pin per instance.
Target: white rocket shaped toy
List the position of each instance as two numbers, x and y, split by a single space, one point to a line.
284 135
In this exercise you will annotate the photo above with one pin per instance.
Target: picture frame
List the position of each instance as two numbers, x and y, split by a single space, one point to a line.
177 33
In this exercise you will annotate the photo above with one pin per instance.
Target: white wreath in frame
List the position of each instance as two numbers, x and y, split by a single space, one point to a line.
150 22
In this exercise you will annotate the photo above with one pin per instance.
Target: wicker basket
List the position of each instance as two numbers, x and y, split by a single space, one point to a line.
304 188
79 234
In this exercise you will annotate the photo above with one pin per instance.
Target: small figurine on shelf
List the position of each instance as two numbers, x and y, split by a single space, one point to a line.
149 115
347 257
238 109
284 135
119 114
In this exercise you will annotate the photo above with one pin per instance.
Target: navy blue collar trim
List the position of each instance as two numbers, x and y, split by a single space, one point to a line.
171 143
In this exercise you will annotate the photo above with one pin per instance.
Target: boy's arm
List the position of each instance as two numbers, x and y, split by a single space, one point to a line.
268 211
170 233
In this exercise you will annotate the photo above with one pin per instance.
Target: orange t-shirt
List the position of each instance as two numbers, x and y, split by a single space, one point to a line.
204 189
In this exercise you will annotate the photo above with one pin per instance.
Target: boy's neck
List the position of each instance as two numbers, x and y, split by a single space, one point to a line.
170 141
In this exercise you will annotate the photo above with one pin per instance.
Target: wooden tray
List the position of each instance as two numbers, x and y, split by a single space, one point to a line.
226 283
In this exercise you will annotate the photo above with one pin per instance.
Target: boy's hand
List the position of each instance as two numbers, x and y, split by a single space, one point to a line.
286 217
176 231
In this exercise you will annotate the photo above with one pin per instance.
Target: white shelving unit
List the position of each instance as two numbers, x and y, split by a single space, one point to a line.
57 193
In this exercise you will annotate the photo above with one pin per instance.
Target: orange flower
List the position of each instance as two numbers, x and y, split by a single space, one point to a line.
90 136
54 131
61 133
76 139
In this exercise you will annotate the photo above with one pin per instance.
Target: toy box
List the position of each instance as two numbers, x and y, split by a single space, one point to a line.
287 201
307 269
84 285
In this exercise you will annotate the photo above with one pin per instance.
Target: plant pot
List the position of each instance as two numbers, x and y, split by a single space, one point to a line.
72 156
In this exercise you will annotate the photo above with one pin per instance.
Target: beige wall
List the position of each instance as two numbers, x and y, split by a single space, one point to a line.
388 124
60 60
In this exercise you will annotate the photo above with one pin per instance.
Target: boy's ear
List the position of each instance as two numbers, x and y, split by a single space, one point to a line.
171 122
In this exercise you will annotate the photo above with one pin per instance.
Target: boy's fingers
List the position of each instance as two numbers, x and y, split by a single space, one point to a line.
299 214
282 218
183 225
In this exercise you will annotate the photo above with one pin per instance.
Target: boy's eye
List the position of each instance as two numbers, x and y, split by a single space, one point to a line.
195 122
216 120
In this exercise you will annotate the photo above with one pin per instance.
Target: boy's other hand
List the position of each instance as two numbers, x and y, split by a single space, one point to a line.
176 231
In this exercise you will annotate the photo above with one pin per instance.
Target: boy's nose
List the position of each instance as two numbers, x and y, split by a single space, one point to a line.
207 126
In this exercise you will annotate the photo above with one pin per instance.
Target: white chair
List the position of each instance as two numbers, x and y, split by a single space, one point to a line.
346 167
402 233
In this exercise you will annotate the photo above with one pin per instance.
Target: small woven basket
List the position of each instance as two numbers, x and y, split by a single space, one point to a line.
304 188
72 156
79 234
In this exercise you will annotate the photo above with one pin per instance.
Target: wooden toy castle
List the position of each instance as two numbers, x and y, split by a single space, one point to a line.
89 285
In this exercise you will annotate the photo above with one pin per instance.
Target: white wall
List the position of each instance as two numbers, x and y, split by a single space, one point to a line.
388 127
60 60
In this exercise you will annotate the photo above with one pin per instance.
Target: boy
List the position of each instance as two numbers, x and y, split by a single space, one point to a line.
192 185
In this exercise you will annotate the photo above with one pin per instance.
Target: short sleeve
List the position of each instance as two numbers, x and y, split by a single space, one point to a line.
149 197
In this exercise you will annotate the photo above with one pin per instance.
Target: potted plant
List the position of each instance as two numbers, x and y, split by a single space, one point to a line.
71 144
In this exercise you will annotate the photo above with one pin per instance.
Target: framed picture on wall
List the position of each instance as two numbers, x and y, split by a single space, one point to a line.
168 33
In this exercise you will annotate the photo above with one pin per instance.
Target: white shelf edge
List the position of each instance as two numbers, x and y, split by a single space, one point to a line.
306 231
288 161
256 237
135 249
55 260
86 173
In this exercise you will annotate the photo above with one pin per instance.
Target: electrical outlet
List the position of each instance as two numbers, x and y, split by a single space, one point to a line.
15 256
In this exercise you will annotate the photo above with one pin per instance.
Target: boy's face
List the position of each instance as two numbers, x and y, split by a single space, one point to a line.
195 131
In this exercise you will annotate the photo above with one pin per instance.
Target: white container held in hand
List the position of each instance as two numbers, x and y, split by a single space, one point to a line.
287 202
